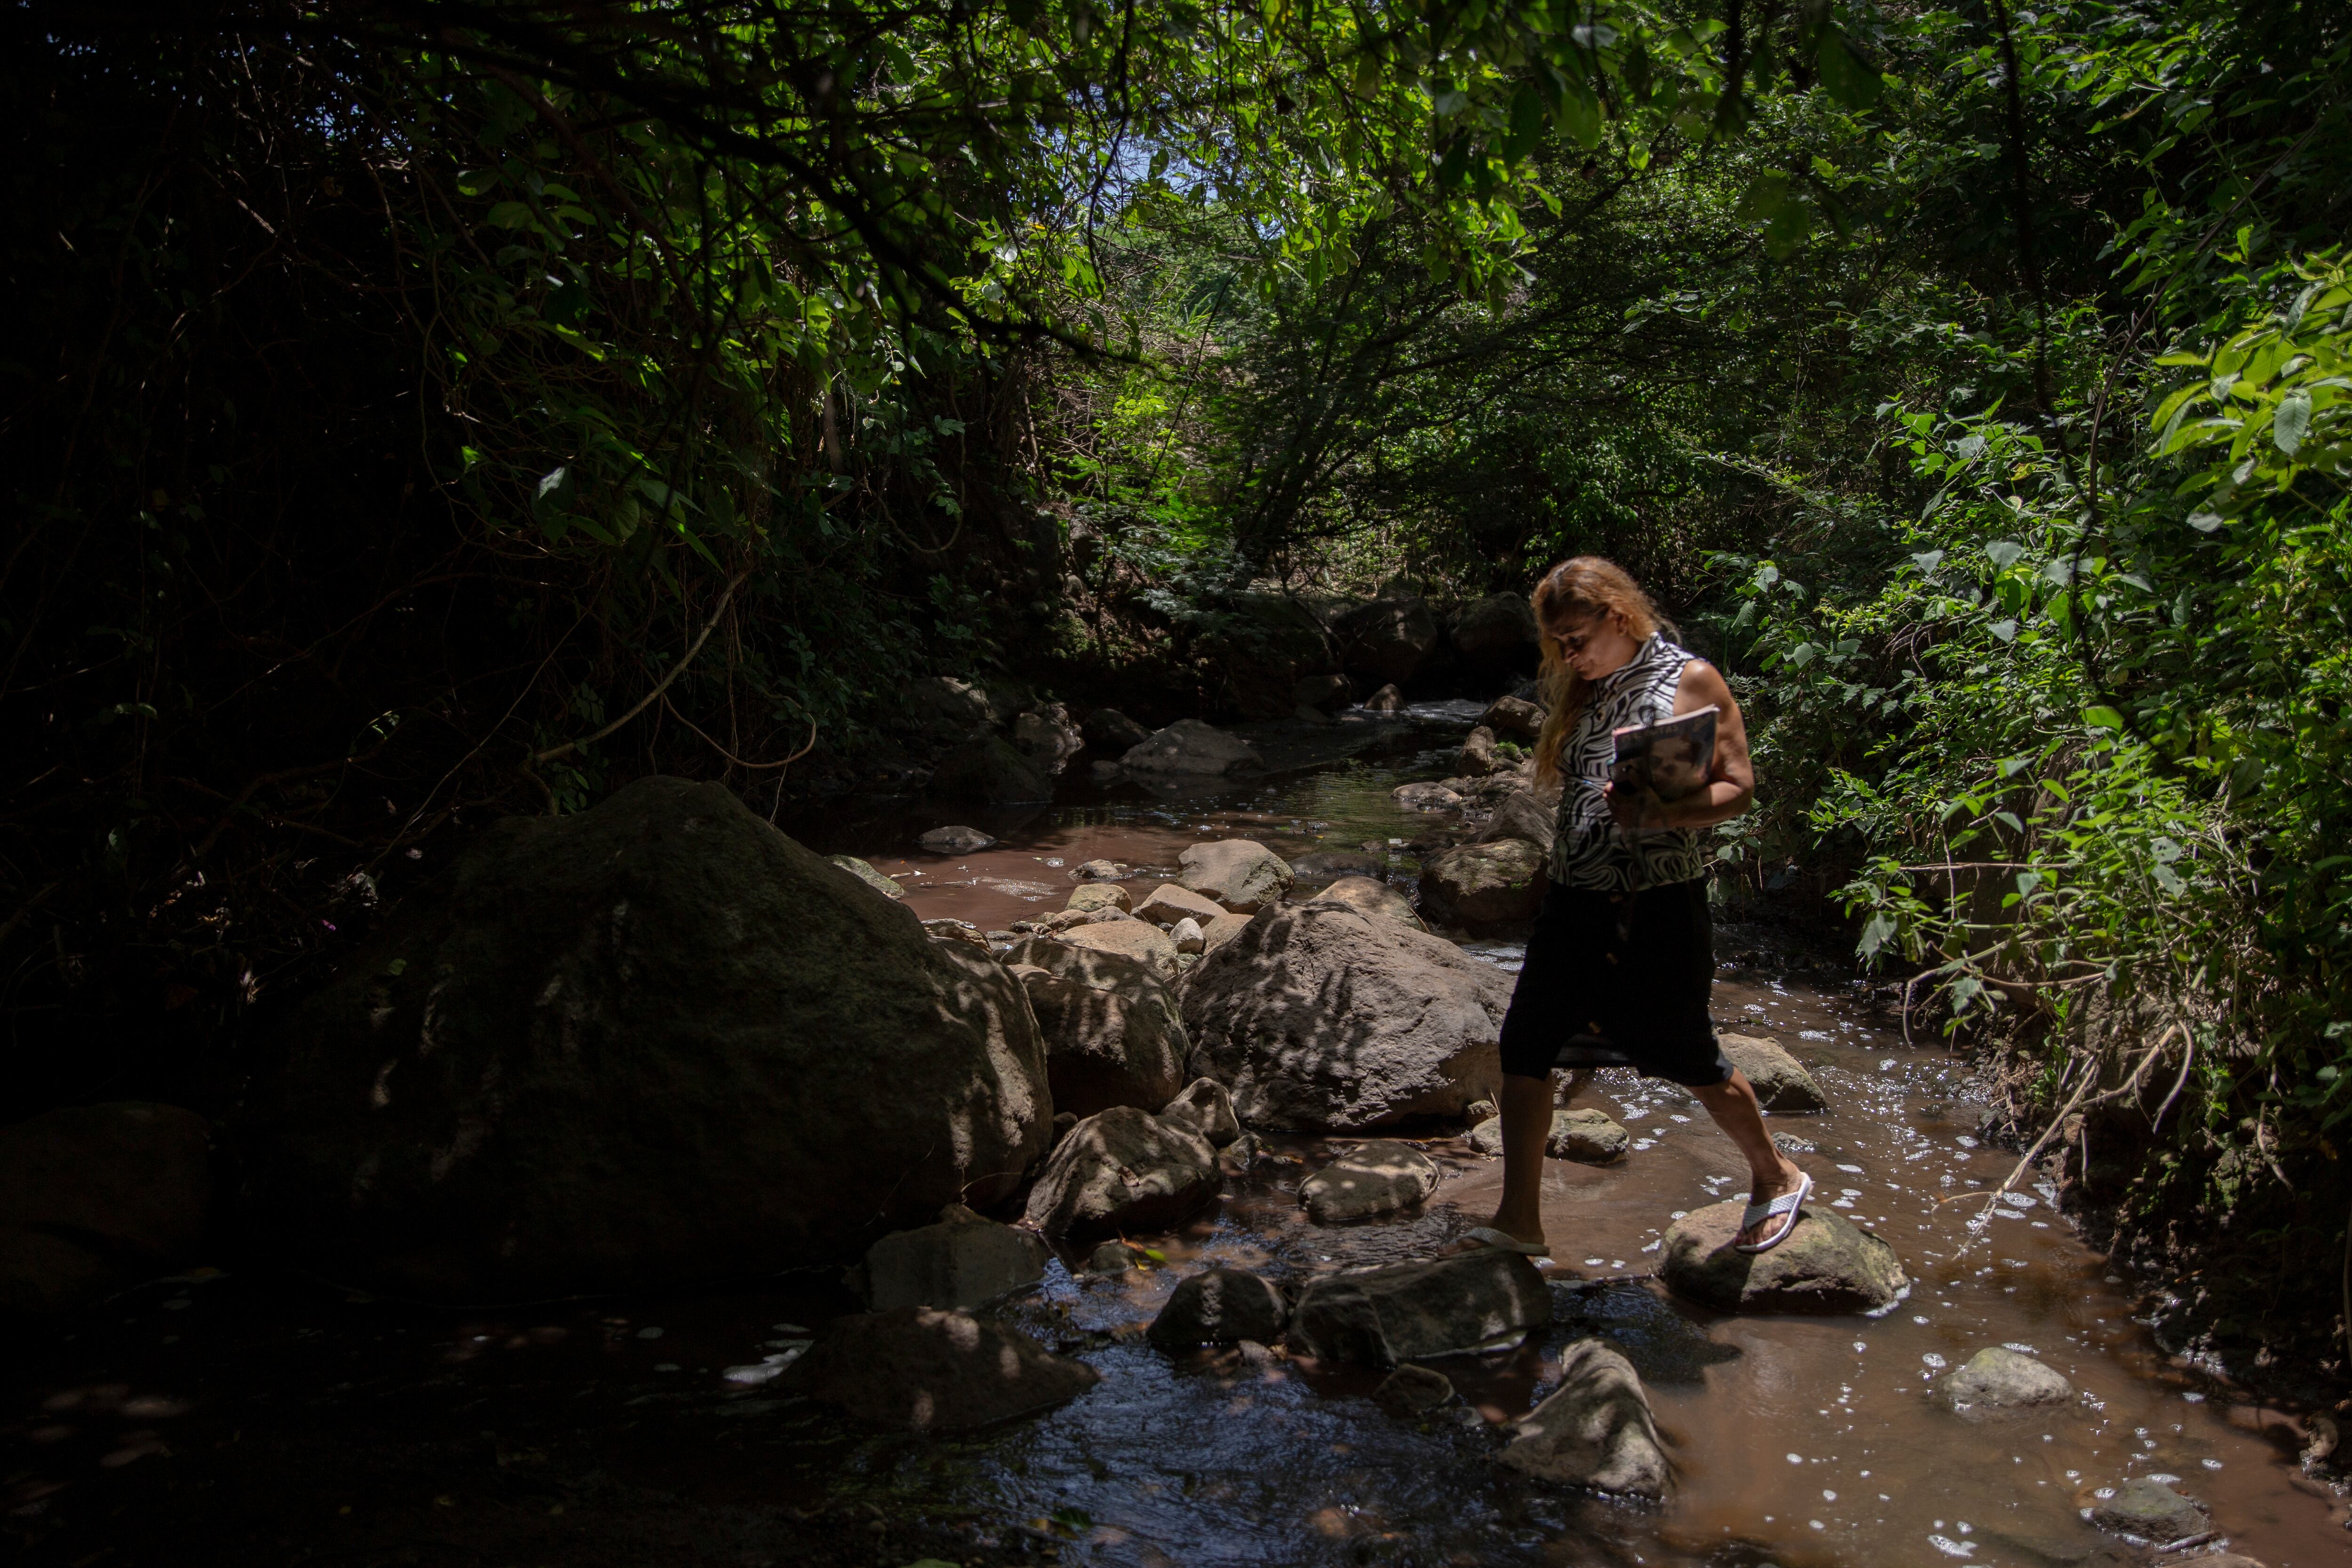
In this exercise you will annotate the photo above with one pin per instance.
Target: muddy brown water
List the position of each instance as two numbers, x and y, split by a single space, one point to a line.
307 1422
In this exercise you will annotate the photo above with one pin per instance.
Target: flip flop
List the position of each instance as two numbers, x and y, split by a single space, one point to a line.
1503 1241
1788 1203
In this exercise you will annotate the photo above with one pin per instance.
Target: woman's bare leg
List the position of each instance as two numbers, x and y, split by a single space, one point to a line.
1527 1124
1734 1106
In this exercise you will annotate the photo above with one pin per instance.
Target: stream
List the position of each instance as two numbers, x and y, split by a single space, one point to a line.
265 1417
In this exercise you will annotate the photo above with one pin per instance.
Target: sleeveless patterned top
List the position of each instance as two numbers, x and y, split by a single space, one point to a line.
1589 849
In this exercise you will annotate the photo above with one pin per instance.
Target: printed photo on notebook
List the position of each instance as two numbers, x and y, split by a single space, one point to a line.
1670 759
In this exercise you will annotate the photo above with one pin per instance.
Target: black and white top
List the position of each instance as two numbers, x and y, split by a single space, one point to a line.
1589 849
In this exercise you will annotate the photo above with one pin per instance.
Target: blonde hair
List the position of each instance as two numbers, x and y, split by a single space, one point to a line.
1582 587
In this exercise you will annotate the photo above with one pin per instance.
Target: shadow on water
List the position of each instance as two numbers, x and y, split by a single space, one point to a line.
272 1419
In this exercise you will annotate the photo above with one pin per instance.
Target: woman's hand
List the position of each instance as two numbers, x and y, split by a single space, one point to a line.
1638 810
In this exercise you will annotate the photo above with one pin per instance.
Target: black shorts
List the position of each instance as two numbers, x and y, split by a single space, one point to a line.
1618 980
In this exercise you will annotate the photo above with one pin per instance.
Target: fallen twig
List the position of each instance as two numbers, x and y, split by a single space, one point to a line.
2056 1122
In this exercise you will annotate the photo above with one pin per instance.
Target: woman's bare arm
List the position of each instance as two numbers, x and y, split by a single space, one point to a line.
1731 781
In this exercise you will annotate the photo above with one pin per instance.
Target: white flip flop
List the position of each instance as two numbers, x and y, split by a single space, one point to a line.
1788 1203
1503 1241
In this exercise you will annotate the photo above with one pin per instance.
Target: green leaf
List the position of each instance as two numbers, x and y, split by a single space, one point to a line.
1875 932
2102 719
1527 124
2005 552
2292 423
1766 196
1579 116
1848 79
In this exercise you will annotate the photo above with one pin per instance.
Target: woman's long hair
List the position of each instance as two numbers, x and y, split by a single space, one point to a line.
1576 589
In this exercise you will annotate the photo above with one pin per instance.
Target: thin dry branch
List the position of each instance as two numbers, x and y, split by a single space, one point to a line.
659 687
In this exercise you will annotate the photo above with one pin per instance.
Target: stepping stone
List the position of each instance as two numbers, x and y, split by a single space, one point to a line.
1827 1265
1377 1178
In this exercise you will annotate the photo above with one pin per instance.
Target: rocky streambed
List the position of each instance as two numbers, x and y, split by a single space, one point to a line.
1213 1331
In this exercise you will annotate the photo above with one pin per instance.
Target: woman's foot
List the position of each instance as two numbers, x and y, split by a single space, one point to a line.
1525 1235
1787 1179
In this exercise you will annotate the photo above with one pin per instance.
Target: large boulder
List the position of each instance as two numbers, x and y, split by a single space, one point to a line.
1998 1378
1497 635
929 1369
1129 938
1596 1430
650 1046
1781 1083
1487 1300
1215 933
941 710
1239 875
1122 1170
1378 1176
1089 896
1827 1265
1189 746
964 1260
1322 1018
1116 1042
1522 815
1387 700
1174 902
955 839
1387 639
1109 730
1046 737
1477 757
1219 1307
1480 887
866 874
94 1198
990 771
1514 718
1207 1108
1323 693
1366 896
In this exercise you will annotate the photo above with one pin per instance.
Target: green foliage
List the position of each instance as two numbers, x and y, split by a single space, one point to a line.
2073 705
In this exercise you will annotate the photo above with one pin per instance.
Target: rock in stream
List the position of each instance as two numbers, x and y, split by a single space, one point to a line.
1124 1169
1827 1265
1321 1018
1596 1430
653 1045
1375 1177
1481 1300
926 1369
1112 1033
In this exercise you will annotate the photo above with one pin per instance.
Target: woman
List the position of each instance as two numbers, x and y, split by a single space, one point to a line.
1623 955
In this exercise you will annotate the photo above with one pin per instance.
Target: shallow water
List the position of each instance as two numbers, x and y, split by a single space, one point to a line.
1797 1441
